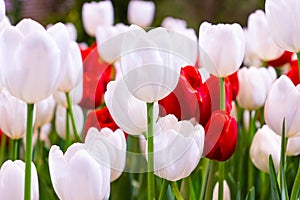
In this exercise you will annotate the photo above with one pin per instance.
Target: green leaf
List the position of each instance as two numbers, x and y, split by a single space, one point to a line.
251 194
275 192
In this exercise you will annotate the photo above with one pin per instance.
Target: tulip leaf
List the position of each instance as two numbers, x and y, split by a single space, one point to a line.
275 192
284 191
238 192
121 188
251 194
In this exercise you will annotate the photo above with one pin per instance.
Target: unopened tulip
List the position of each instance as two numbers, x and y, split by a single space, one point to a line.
170 162
173 23
226 191
251 58
222 48
2 10
254 86
72 31
44 111
151 61
141 13
77 175
30 61
12 175
221 134
265 143
13 115
60 120
261 38
128 112
115 143
283 26
95 14
283 103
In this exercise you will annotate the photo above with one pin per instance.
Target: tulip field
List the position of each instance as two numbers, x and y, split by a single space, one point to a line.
146 112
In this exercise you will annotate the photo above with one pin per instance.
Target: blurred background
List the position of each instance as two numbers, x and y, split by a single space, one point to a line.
193 11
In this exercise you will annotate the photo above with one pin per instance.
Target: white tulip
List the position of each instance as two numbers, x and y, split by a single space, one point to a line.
226 191
30 64
283 102
72 31
251 58
60 120
95 14
293 146
283 20
171 163
254 84
13 115
222 48
261 38
44 111
265 142
115 143
141 13
129 113
12 176
151 61
76 175
173 23
2 10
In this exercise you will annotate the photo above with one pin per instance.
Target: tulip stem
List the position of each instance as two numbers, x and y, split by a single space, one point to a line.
283 187
252 120
68 140
175 191
163 190
298 57
150 138
222 94
296 186
72 117
28 151
220 180
209 185
16 149
2 149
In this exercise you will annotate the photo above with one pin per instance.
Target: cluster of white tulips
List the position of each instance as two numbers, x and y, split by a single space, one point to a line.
241 81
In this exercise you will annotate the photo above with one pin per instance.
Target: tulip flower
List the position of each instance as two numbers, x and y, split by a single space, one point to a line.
12 175
72 31
170 162
283 26
190 98
128 112
2 10
226 191
261 37
100 119
76 95
115 143
173 23
44 111
251 58
77 175
222 48
254 86
151 61
285 58
221 134
293 146
265 143
283 103
29 54
13 115
95 14
60 120
141 13
293 73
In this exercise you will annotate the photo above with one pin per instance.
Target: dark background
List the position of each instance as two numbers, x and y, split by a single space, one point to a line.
193 11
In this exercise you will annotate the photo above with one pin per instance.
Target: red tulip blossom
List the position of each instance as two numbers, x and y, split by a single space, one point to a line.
293 73
283 59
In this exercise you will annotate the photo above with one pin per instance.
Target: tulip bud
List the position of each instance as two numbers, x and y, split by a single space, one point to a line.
222 48
44 111
283 25
141 13
265 142
12 176
96 14
78 166
226 191
115 144
283 103
221 134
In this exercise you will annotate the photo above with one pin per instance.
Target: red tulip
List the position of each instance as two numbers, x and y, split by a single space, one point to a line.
233 80
190 98
293 73
100 119
86 51
285 58
221 134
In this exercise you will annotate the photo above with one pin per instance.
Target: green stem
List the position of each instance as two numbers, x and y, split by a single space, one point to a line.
68 139
28 151
296 186
16 149
209 186
175 190
150 141
222 94
163 190
284 192
298 57
206 165
252 120
220 180
2 149
72 117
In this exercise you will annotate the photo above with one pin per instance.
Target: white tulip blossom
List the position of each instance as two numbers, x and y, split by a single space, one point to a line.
141 13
